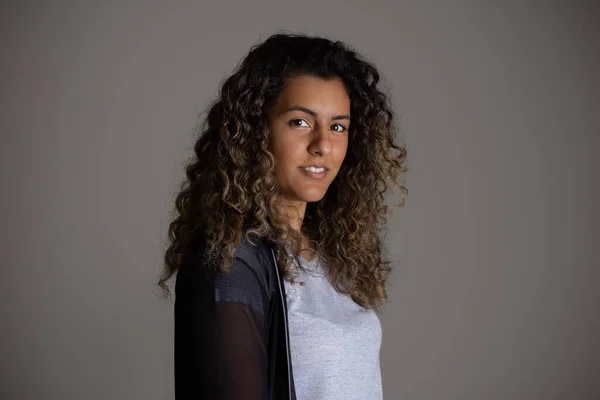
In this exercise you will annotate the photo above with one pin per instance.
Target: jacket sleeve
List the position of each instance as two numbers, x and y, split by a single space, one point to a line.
220 333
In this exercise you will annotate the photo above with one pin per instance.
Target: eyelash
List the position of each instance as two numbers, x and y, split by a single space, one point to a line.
291 123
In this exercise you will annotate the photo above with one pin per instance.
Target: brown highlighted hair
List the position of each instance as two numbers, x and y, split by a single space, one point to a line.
230 188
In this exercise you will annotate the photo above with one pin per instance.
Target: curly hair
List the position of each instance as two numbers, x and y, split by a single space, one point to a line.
231 187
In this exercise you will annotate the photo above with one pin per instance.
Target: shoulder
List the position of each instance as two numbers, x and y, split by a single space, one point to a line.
251 250
249 280
254 252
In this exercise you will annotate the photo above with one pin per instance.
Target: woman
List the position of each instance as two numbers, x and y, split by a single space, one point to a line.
276 244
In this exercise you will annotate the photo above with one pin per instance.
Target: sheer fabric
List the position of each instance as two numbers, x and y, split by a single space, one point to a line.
221 333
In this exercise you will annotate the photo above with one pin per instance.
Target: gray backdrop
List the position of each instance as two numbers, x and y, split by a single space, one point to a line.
495 291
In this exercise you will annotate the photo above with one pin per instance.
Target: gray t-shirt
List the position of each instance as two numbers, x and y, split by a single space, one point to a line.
334 342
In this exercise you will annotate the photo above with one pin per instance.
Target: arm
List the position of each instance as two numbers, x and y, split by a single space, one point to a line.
220 335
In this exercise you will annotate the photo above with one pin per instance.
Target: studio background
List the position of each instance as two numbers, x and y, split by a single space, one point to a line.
495 293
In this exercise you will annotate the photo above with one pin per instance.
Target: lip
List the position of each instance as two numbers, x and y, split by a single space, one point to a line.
316 166
315 175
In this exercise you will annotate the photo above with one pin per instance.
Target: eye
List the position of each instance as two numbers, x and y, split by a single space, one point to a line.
299 123
340 128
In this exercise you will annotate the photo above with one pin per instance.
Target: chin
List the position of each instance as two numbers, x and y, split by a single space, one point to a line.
311 197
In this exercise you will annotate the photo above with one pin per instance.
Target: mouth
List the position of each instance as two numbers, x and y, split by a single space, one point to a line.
315 171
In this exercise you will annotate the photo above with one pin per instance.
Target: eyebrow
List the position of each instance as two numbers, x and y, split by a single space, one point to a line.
313 113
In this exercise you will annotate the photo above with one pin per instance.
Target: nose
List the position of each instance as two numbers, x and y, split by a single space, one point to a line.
321 144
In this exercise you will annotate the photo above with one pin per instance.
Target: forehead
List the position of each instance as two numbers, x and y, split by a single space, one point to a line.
324 96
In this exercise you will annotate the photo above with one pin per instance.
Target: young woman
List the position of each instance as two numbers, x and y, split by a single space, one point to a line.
277 244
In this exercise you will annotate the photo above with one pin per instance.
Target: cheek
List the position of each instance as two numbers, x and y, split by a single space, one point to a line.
285 155
341 152
278 146
287 151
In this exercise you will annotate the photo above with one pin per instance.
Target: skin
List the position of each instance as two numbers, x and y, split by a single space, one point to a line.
309 125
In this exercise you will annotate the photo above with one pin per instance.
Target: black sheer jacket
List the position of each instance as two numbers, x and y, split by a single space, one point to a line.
231 339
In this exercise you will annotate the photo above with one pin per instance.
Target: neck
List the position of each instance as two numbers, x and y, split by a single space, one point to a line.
295 215
294 212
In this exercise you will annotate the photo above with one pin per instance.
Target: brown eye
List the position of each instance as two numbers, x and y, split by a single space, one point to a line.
341 128
298 123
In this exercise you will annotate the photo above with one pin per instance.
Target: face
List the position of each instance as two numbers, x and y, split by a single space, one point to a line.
309 136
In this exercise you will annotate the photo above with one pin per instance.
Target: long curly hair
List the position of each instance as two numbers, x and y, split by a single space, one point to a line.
231 188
